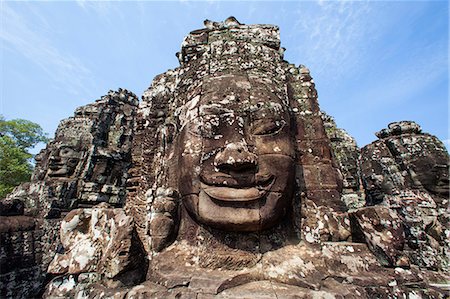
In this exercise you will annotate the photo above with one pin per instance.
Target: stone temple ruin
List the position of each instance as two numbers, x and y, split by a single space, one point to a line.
227 181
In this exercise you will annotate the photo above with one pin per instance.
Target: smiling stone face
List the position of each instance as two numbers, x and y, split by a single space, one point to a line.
63 160
236 155
427 161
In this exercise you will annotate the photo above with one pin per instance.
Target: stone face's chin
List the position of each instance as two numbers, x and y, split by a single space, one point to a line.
228 215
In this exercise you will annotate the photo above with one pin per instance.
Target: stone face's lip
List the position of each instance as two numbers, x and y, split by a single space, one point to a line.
235 194
238 180
54 168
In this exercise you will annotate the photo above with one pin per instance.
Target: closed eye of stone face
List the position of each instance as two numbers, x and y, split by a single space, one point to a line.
205 126
268 126
66 151
208 126
211 118
268 120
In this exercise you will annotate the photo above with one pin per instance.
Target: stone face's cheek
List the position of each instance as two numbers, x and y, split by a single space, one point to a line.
435 179
431 168
190 150
72 163
277 200
189 182
273 209
271 131
191 204
275 148
442 185
281 168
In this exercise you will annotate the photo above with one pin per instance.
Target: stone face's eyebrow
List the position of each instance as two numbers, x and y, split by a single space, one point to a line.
261 110
215 109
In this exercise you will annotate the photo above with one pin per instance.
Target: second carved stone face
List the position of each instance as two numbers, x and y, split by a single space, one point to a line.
432 167
63 160
236 155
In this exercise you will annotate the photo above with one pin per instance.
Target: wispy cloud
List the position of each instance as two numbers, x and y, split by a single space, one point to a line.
64 69
106 9
330 33
100 6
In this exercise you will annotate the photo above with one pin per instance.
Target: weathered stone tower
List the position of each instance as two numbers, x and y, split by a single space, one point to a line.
227 181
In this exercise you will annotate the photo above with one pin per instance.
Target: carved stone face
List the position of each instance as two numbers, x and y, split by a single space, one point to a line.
63 160
432 171
236 155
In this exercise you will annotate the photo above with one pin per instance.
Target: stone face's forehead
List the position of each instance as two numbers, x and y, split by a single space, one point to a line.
246 93
66 144
226 91
226 82
74 132
234 95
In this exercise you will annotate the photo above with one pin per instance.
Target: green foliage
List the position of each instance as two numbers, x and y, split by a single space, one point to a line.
24 133
17 136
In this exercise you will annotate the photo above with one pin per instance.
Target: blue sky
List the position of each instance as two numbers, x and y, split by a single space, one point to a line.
373 62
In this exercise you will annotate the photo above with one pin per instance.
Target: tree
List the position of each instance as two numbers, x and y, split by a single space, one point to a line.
17 137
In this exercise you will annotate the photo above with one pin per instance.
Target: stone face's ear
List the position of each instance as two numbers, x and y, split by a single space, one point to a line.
164 218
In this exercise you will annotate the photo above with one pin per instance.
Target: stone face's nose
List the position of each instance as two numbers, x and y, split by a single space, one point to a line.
236 157
54 156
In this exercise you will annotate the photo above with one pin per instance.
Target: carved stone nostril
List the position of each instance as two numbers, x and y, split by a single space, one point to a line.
235 157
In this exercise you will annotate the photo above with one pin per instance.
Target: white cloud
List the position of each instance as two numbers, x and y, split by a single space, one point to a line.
107 9
64 69
331 34
99 6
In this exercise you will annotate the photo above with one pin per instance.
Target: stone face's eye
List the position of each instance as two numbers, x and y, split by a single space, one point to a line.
72 162
267 126
66 151
205 126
